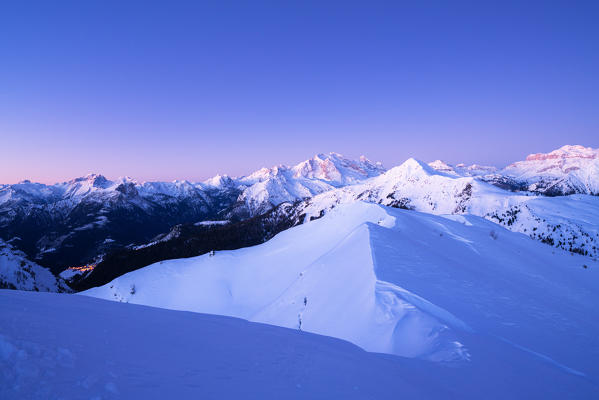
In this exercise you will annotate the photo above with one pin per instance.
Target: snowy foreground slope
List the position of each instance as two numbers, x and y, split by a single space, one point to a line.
450 289
74 347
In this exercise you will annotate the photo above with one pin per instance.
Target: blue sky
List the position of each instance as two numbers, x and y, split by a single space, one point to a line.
181 90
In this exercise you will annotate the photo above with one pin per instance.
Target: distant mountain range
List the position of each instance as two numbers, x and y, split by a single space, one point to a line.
567 170
74 222
84 220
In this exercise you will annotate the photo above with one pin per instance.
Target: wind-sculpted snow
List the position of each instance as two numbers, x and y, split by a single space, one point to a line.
396 281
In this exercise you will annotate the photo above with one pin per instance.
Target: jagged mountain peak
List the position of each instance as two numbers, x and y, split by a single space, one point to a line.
219 180
413 167
96 180
337 169
269 187
86 184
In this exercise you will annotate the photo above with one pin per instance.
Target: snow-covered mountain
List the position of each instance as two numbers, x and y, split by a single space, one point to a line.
567 170
438 288
17 272
75 222
567 222
270 187
462 169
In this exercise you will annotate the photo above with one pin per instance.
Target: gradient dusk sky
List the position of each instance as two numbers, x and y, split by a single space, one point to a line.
159 91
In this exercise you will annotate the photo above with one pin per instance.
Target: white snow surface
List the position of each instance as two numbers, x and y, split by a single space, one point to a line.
439 288
17 272
59 346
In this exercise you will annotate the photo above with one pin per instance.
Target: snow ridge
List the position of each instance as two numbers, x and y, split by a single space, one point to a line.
391 281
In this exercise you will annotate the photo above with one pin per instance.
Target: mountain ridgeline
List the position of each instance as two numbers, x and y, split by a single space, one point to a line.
76 222
122 225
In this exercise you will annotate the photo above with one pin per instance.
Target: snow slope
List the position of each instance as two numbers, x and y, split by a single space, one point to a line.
64 346
439 288
17 272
